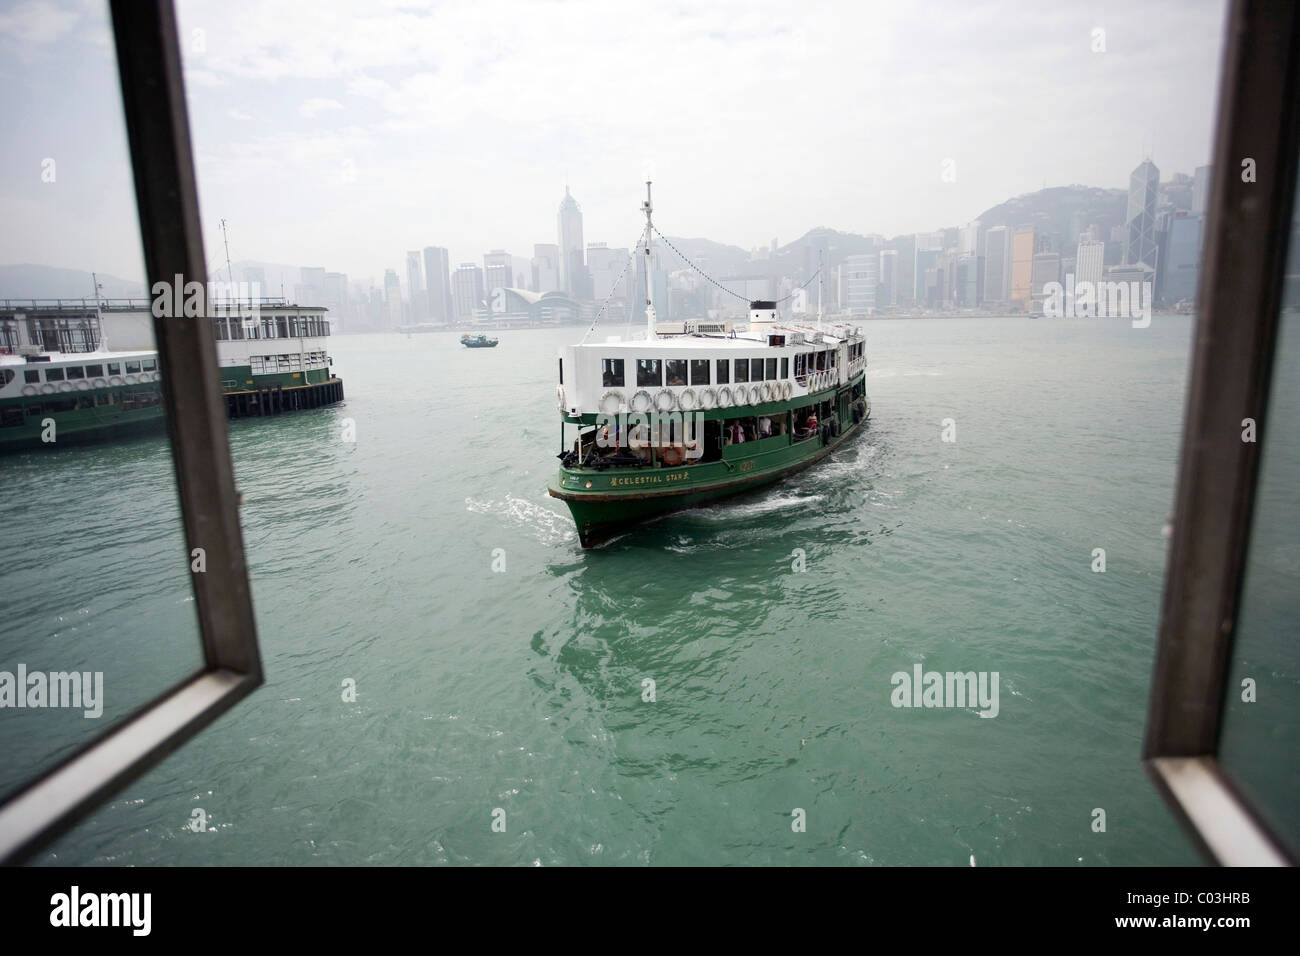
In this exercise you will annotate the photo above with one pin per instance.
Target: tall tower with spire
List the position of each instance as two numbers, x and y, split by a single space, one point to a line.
573 266
1140 221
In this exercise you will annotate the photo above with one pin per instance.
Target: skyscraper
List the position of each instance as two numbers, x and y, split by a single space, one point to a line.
415 286
1140 220
1184 258
1089 260
605 266
997 265
437 282
1022 266
498 272
859 276
573 267
467 290
887 287
392 300
546 268
1201 188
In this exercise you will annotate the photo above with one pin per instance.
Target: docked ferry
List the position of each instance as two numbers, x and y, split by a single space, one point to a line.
56 398
61 385
695 411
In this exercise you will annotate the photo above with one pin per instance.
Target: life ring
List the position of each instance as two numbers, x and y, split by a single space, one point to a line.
724 397
665 401
115 380
611 401
786 389
687 400
65 386
47 389
642 401
29 389
708 399
559 397
130 380
671 455
156 376
767 391
101 383
755 395
83 386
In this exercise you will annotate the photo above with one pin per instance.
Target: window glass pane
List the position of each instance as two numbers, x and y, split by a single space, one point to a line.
756 370
770 372
649 372
724 371
612 373
676 371
699 371
1261 722
785 368
742 370
97 616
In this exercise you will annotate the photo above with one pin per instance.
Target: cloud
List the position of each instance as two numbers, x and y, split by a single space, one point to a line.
36 24
317 105
235 113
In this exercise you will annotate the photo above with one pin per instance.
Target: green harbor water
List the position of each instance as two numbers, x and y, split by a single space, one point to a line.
523 688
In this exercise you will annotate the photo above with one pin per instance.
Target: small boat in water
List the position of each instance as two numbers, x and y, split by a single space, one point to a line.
479 341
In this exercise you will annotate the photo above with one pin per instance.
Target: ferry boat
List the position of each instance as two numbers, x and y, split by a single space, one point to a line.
60 384
479 341
699 410
55 398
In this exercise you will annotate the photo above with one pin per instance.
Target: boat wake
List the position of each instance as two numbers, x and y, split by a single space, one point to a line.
547 526
729 511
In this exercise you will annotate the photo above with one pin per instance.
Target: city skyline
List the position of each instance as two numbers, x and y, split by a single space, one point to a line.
351 146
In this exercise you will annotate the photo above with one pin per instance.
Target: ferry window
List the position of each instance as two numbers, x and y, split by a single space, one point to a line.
611 373
101 398
724 371
86 401
756 370
114 368
282 324
54 375
32 411
771 369
785 368
649 372
12 418
676 369
76 372
699 371
32 375
150 365
94 371
742 370
132 367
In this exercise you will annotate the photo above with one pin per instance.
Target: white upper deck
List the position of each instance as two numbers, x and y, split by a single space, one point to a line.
684 368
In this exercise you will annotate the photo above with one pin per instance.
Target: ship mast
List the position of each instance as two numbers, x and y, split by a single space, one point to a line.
819 291
649 274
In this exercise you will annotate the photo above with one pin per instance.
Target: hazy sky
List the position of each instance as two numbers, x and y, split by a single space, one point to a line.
341 134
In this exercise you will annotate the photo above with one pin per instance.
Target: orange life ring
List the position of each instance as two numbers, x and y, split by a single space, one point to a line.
671 456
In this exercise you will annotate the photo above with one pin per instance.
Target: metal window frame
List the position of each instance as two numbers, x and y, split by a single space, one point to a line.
1239 298
153 100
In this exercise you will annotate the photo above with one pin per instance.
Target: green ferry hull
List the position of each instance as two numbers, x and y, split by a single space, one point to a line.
605 503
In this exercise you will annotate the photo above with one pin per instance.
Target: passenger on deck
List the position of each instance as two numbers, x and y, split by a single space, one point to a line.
765 427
